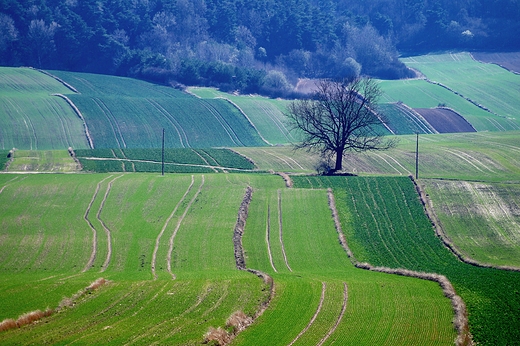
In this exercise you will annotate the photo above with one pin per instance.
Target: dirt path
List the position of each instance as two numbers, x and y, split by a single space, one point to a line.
323 289
107 230
90 262
281 229
268 237
340 317
156 248
172 238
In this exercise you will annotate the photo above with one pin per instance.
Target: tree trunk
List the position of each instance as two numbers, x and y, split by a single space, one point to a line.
339 160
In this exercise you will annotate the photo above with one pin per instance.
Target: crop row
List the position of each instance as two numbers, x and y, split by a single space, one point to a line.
387 227
150 160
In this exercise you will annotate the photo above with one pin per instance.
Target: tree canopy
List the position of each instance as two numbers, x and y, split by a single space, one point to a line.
340 118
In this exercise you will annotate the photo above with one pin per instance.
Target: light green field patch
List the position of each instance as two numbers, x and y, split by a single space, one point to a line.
486 84
483 220
43 161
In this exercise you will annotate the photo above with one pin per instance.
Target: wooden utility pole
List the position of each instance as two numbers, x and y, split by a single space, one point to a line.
162 165
417 157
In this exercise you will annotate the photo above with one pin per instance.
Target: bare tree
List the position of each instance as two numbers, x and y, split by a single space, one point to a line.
340 118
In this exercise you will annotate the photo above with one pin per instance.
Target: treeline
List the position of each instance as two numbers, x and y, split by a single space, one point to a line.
260 45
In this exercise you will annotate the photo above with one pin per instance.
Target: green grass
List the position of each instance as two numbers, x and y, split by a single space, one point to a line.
128 113
482 219
385 225
265 113
487 84
31 117
58 161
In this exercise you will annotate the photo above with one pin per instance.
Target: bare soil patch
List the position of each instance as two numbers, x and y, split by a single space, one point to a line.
445 120
510 61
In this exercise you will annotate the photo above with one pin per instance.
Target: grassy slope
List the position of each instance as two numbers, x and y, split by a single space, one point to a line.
265 113
381 309
385 229
128 113
31 118
487 84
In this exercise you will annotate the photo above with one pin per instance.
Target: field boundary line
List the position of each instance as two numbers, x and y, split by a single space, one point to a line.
156 248
107 230
245 115
78 113
318 310
340 317
281 229
238 232
441 232
58 79
94 232
268 237
179 222
460 320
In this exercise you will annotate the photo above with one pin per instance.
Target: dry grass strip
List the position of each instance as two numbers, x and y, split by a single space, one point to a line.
156 248
35 316
281 229
239 229
460 320
340 317
323 289
441 233
107 230
172 238
94 232
286 178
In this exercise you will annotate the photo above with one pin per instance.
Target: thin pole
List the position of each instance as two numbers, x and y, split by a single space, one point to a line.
162 170
417 157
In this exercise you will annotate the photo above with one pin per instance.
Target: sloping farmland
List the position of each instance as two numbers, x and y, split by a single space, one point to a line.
31 117
486 85
128 113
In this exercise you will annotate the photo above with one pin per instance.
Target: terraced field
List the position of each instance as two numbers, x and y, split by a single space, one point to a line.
386 226
31 117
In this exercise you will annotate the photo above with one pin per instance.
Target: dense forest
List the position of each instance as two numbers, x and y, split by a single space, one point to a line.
247 45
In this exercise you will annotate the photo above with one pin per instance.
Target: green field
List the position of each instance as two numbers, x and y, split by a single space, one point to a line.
481 218
385 225
57 161
487 84
265 113
31 117
180 227
128 113
185 160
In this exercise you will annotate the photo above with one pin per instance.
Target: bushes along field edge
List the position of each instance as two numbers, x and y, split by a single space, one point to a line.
238 321
460 320
37 315
441 233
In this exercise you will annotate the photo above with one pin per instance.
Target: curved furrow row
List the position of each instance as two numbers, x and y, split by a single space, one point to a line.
90 262
156 248
172 238
281 229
